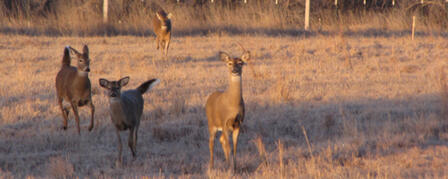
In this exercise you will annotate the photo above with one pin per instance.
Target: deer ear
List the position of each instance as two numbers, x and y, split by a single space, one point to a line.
169 16
85 50
74 51
124 81
158 16
104 83
246 57
224 56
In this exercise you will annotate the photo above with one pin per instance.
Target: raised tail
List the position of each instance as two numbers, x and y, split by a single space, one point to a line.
66 58
148 85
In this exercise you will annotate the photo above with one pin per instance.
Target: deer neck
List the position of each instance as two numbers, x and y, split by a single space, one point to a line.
116 105
234 92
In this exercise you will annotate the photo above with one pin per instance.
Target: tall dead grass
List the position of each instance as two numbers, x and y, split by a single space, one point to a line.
84 18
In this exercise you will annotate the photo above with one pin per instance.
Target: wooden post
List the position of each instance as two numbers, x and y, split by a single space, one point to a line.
393 2
307 14
211 1
365 2
422 1
245 1
105 9
336 3
276 2
413 27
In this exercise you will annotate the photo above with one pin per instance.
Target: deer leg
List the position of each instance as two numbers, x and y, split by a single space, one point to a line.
211 143
119 160
64 113
75 111
167 44
92 112
131 141
235 142
157 42
135 139
224 139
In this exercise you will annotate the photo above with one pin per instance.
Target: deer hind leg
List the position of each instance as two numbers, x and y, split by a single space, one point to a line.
224 139
235 134
119 160
211 143
75 111
157 41
92 113
131 141
65 112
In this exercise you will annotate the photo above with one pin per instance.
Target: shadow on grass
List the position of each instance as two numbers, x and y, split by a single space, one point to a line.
111 30
368 127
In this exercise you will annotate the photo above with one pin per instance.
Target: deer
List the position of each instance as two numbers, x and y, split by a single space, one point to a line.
126 109
162 28
73 86
225 109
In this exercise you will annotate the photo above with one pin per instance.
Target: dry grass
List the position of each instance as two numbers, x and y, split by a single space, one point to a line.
374 120
84 18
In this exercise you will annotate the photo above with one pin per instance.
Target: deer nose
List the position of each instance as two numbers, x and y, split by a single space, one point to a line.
88 70
113 95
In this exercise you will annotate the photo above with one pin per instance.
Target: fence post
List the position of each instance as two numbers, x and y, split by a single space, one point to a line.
105 9
413 27
307 14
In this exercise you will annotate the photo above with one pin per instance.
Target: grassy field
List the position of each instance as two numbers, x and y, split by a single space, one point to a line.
370 106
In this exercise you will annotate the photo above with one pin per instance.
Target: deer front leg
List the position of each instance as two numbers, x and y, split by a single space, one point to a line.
211 143
75 111
119 160
224 139
131 141
65 112
167 45
235 142
92 112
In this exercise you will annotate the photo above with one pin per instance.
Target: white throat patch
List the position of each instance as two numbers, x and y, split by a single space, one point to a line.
114 100
82 73
235 78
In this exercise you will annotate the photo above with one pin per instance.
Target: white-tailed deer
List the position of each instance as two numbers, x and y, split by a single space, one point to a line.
73 85
126 109
225 110
162 28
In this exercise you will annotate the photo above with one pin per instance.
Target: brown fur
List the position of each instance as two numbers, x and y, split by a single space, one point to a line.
225 110
73 86
163 35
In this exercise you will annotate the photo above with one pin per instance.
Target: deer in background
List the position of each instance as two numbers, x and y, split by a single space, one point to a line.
162 28
225 110
126 109
73 85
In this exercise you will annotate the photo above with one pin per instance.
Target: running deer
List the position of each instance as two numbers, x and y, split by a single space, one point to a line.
162 28
225 110
126 109
73 85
